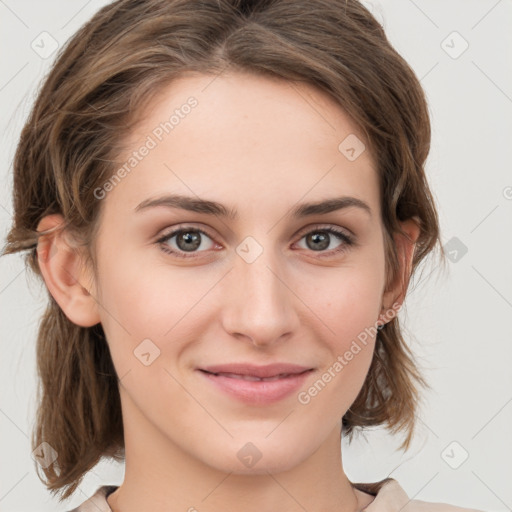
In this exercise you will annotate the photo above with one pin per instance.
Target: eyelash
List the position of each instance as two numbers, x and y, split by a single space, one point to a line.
347 240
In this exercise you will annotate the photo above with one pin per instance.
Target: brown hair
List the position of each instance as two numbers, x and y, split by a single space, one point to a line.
91 99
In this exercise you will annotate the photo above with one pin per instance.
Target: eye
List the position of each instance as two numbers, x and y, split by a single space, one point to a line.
188 240
319 239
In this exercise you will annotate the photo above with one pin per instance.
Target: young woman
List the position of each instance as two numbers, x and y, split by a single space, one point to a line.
226 200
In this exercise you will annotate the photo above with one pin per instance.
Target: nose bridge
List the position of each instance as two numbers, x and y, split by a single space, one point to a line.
260 303
263 286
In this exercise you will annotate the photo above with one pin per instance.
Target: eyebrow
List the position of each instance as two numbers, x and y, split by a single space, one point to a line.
197 205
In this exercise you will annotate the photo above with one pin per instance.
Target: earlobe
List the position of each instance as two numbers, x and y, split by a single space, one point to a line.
405 247
64 273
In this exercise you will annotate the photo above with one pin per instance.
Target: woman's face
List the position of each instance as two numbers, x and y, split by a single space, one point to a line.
269 284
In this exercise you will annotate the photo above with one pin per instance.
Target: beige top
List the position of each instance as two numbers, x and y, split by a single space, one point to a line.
389 497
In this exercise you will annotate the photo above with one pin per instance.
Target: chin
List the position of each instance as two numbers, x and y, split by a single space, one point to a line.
248 459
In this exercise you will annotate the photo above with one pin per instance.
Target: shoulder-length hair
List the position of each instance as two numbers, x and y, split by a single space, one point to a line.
94 95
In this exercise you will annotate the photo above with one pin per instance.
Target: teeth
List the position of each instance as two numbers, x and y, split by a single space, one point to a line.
252 377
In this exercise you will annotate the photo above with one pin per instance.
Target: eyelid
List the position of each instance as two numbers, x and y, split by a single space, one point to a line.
318 226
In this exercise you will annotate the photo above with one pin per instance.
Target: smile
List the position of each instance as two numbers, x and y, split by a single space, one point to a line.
256 390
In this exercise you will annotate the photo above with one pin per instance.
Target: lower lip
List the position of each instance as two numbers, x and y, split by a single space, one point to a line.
258 392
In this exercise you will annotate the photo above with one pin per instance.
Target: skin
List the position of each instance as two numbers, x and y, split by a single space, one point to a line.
259 146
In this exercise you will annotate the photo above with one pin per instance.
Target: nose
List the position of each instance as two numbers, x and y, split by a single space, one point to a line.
259 304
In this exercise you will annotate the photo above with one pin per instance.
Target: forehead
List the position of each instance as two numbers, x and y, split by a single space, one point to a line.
240 138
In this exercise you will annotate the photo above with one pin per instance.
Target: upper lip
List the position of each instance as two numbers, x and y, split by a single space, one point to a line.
270 370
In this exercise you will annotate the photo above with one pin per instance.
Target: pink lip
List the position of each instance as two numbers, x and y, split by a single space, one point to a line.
257 391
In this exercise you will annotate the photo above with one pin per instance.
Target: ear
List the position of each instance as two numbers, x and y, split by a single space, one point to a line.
395 293
64 272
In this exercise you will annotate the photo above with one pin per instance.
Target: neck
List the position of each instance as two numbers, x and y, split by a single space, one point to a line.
160 475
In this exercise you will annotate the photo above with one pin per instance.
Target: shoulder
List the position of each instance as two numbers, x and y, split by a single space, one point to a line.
391 497
98 501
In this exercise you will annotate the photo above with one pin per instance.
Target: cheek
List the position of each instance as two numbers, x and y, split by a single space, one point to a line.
146 301
357 305
131 307
353 321
145 297
347 299
350 313
348 305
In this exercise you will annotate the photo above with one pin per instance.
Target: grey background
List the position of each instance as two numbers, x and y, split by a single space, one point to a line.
459 323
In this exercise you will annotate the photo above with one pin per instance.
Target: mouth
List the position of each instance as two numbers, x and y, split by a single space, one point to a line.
254 378
257 385
262 372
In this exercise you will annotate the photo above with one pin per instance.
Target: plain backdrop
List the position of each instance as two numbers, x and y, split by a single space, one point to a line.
458 323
